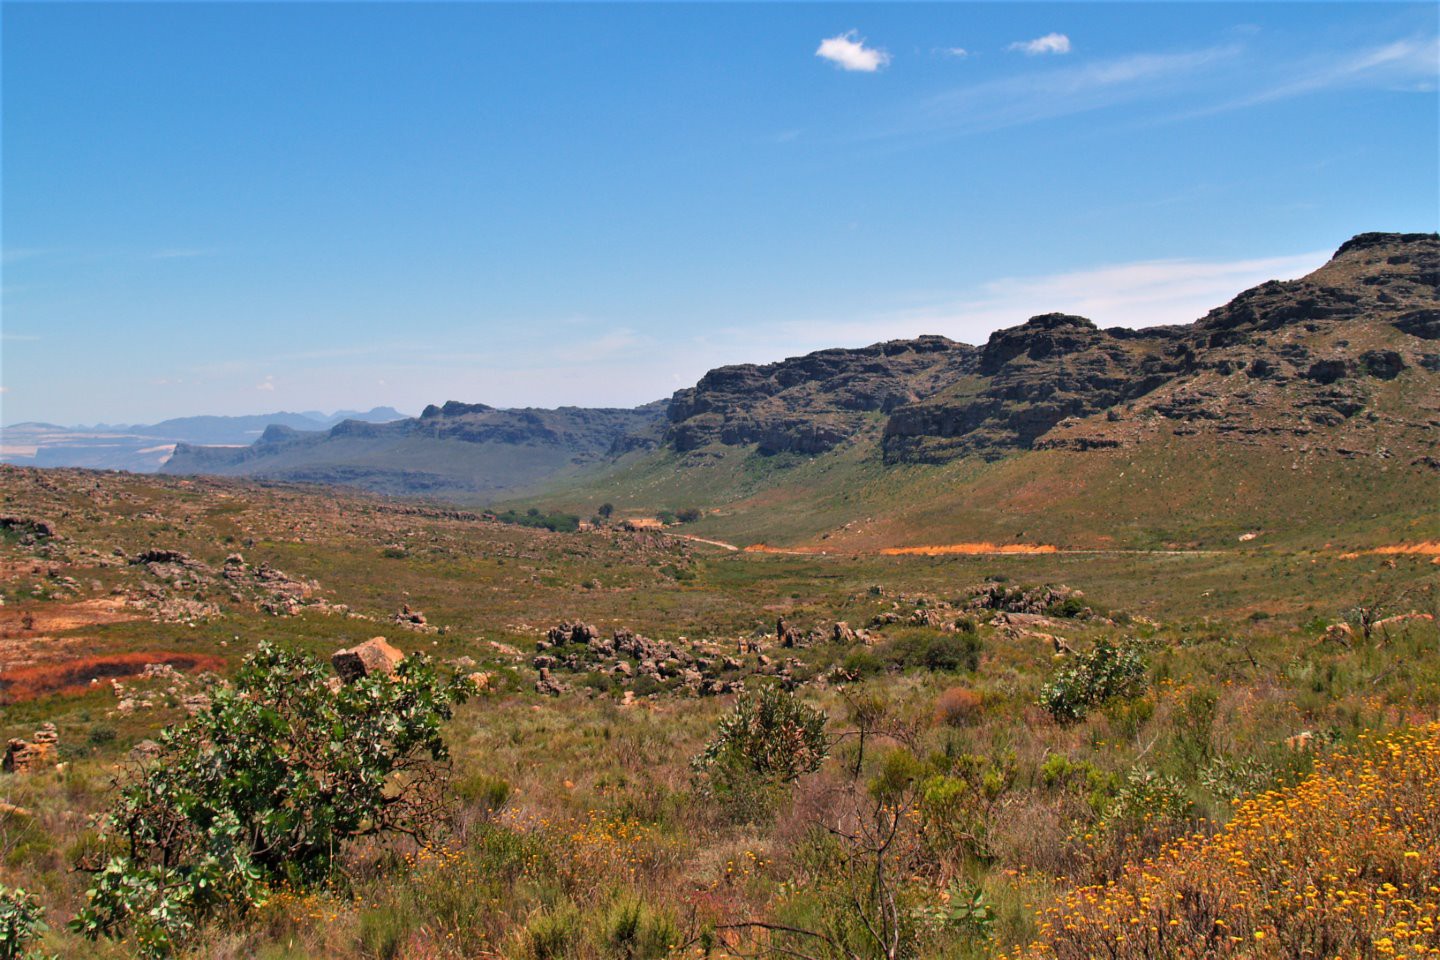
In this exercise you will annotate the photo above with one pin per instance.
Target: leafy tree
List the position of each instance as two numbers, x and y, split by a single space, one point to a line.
687 514
606 509
1104 673
265 787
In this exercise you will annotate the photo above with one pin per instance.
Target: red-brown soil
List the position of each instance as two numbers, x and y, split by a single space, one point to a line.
73 676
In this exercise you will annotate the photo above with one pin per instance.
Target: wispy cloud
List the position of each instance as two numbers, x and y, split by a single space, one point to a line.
614 343
849 52
1047 94
1412 63
1050 43
267 385
180 253
955 52
1139 294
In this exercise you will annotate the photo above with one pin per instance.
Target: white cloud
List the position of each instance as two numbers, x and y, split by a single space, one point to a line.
1140 294
268 384
1050 43
848 52
956 52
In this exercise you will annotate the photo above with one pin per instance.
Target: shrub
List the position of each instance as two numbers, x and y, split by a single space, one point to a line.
553 934
687 515
633 930
958 707
1092 678
861 663
265 787
770 735
489 794
22 921
938 653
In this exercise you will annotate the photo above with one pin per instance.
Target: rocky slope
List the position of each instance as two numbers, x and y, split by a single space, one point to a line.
812 403
1282 359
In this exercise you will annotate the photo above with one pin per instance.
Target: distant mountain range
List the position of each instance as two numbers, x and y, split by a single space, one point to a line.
1342 363
143 448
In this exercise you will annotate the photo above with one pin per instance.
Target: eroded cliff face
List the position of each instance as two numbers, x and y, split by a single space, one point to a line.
812 403
1281 359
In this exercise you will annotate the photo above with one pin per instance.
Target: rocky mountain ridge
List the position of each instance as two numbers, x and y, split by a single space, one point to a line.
1346 359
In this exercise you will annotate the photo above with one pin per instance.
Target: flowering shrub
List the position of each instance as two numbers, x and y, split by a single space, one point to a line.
1345 864
1090 679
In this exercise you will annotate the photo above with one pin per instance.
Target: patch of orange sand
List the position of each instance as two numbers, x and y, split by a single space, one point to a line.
971 548
1429 548
764 548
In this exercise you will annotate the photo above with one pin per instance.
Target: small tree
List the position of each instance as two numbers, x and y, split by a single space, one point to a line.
606 509
267 786
1106 672
771 736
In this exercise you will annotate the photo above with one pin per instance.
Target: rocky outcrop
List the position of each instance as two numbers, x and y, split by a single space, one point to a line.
1280 359
1030 378
25 757
813 403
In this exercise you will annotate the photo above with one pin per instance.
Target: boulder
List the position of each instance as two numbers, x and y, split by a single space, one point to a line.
787 635
373 656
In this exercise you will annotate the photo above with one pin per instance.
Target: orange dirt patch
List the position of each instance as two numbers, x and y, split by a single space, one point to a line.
794 551
1426 548
74 676
25 619
980 548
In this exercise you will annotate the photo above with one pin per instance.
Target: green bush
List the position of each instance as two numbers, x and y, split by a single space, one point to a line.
1090 679
938 653
489 794
633 930
266 787
770 735
553 934
22 922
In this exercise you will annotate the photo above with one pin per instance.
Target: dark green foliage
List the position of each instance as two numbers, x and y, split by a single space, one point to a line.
937 652
266 787
1092 678
558 522
1069 607
687 514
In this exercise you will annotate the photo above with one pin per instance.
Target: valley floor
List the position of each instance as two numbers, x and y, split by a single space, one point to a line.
988 791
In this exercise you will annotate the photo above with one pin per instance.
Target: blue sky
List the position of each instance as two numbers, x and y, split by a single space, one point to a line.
232 208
